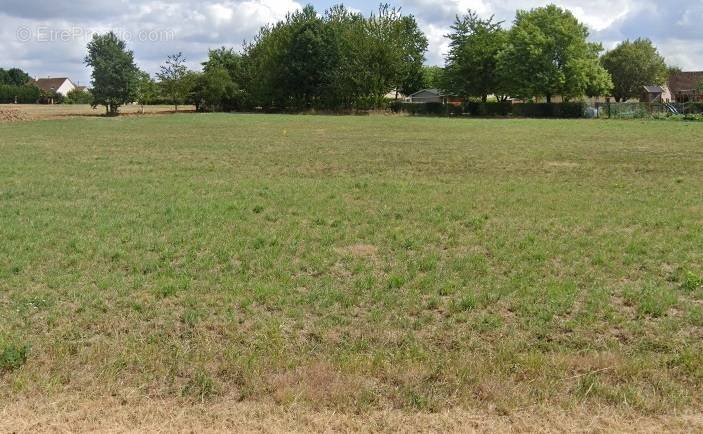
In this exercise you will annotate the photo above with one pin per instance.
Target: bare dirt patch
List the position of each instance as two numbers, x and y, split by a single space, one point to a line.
12 115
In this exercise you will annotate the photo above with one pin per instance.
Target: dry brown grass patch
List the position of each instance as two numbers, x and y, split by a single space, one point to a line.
113 415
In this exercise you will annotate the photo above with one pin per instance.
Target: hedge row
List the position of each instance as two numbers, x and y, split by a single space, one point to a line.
20 94
494 109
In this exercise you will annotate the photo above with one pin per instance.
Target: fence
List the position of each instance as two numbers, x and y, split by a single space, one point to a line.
627 110
578 109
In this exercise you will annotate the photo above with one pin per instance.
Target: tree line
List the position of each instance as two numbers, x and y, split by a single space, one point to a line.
343 60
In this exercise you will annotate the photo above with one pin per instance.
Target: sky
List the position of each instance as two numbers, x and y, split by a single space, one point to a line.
47 38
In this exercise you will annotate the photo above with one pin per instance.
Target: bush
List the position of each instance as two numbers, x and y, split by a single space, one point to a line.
78 96
20 94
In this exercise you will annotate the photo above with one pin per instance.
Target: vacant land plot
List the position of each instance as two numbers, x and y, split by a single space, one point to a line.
314 269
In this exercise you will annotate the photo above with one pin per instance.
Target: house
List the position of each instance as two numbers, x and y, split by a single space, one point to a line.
684 86
61 85
433 96
660 94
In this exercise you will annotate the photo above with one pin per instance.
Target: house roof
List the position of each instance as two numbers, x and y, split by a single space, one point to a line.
685 81
49 84
654 89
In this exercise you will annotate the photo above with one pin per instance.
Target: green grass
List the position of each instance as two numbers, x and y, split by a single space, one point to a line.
354 262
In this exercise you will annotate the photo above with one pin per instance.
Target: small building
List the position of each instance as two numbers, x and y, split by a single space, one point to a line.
656 94
61 85
433 96
425 96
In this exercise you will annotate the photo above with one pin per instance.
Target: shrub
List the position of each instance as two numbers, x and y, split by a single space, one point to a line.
79 96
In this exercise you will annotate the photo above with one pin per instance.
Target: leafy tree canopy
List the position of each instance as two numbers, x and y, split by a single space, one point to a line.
14 77
548 54
114 77
632 65
472 62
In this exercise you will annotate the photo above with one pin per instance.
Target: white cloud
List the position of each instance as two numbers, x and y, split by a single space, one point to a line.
152 28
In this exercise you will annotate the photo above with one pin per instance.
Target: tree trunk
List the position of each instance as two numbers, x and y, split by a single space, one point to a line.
549 99
484 98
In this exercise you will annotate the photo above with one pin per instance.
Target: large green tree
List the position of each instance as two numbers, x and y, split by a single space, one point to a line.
472 62
632 65
394 53
115 75
336 60
548 54
411 45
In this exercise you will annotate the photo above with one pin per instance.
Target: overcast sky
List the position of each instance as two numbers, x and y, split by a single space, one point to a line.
48 38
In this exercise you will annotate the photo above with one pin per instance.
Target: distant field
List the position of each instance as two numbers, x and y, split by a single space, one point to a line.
316 271
16 112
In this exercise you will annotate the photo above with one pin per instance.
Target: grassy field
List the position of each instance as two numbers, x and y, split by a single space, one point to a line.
353 265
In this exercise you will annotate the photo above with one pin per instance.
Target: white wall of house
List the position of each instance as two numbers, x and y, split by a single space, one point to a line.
65 88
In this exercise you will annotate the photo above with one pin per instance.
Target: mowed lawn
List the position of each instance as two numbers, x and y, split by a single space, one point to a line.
353 263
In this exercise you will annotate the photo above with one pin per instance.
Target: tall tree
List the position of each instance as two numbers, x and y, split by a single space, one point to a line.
304 58
472 63
411 47
548 54
394 52
172 78
114 76
632 65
